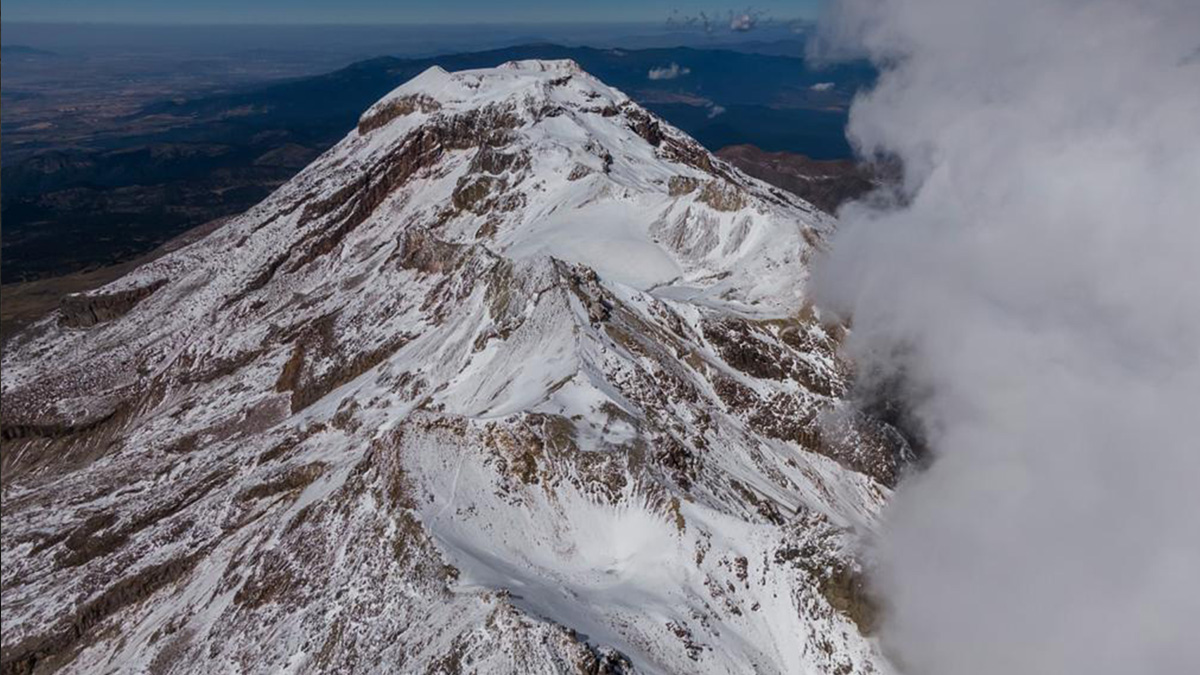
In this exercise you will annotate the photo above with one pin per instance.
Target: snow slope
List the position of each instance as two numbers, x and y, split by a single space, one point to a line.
515 378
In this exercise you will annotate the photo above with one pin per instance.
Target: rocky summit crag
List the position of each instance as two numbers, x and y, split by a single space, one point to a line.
516 378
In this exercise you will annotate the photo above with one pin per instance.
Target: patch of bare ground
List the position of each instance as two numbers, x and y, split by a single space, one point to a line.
826 184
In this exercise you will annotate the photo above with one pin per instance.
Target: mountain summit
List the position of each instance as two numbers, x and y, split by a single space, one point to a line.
515 378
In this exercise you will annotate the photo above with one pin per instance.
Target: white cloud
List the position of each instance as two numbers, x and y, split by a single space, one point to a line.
822 86
668 73
1037 287
742 22
715 110
736 21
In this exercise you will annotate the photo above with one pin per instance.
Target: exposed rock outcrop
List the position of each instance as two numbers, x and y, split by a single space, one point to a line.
81 310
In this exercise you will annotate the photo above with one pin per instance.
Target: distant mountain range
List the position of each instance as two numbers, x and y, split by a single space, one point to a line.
184 162
24 51
719 97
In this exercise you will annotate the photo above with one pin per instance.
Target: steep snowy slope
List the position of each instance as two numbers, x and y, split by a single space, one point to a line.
515 378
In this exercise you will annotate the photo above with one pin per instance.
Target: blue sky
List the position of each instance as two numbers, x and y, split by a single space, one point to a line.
381 11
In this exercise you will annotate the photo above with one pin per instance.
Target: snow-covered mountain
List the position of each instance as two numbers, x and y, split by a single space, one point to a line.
515 378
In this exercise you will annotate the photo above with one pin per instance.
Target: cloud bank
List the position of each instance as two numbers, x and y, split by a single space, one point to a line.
1036 288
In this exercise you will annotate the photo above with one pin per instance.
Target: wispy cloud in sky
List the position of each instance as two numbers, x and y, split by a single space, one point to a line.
740 21
743 21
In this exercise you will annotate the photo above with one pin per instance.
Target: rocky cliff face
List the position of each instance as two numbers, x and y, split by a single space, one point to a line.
80 310
515 378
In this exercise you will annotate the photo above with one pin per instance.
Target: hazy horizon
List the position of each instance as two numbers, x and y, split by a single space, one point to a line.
413 12
367 40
